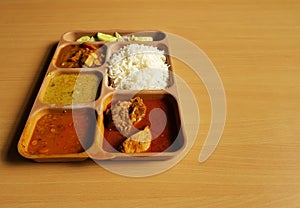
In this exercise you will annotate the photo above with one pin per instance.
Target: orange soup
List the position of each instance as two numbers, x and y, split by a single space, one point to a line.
63 132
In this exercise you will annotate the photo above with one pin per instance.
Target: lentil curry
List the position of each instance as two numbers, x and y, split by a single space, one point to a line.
72 88
63 132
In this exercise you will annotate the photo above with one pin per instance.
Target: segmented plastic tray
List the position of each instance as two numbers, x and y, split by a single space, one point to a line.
95 144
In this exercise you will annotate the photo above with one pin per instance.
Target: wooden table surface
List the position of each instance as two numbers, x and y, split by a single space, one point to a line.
255 47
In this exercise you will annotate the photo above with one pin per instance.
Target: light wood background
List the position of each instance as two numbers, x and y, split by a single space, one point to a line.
255 46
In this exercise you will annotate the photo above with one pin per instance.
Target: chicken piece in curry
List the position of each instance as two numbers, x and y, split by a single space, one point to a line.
124 114
138 142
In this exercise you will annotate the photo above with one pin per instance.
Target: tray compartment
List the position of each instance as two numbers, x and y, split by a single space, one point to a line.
71 87
162 117
74 35
80 55
130 65
61 134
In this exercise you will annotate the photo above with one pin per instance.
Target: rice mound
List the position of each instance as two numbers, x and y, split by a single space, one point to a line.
138 67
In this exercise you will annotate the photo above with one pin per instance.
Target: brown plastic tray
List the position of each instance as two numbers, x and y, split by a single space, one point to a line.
101 148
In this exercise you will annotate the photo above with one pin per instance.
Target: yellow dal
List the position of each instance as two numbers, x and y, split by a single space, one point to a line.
71 88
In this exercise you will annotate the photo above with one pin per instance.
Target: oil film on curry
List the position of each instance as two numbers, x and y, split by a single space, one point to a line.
115 96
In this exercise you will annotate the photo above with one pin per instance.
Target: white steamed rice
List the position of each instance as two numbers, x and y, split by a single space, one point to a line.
138 67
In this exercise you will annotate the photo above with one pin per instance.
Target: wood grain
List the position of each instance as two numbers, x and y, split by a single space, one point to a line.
255 47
